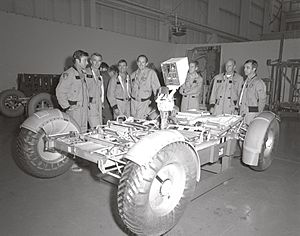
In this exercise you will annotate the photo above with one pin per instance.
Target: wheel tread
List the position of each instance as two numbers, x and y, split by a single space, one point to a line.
132 194
28 159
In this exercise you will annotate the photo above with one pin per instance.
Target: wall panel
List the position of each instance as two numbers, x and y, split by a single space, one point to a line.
152 29
133 22
233 6
39 8
62 11
24 7
119 21
140 25
259 3
229 22
255 31
7 5
257 14
75 12
203 12
106 18
129 24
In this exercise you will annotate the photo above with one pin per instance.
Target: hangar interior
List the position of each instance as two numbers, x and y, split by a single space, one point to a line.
39 37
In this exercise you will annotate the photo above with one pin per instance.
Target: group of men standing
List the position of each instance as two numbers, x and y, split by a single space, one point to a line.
80 91
232 95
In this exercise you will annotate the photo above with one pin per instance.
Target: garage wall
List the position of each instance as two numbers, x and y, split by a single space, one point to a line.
258 50
154 19
30 45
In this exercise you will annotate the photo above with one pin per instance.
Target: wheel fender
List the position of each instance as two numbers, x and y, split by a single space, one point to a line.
142 152
255 137
51 121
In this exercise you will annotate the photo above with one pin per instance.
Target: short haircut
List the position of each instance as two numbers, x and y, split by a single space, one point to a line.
142 55
253 63
122 61
113 68
97 55
78 55
104 65
196 63
230 59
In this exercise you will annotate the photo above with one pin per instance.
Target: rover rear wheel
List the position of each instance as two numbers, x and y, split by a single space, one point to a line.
269 146
31 155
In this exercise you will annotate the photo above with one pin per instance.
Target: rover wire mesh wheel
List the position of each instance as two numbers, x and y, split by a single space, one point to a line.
152 198
269 146
10 104
39 102
31 155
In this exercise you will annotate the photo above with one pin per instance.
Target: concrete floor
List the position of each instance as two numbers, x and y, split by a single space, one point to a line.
252 203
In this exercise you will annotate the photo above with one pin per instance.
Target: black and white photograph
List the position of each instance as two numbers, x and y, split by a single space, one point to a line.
150 118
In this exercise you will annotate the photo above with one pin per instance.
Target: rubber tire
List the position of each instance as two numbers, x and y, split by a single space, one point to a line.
134 190
265 158
35 101
4 95
31 160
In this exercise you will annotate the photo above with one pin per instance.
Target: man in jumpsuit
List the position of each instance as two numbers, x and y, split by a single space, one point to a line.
192 89
226 90
253 96
71 91
144 83
118 92
95 90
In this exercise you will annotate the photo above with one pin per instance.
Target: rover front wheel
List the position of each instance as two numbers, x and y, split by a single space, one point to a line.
152 198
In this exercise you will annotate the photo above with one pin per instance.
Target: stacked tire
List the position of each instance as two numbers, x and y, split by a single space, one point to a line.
13 103
10 103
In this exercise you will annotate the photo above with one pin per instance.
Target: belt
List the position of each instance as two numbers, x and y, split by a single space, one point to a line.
142 99
253 108
122 99
72 102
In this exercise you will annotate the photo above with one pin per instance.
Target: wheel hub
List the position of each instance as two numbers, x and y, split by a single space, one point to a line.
48 156
269 144
42 105
167 188
11 102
